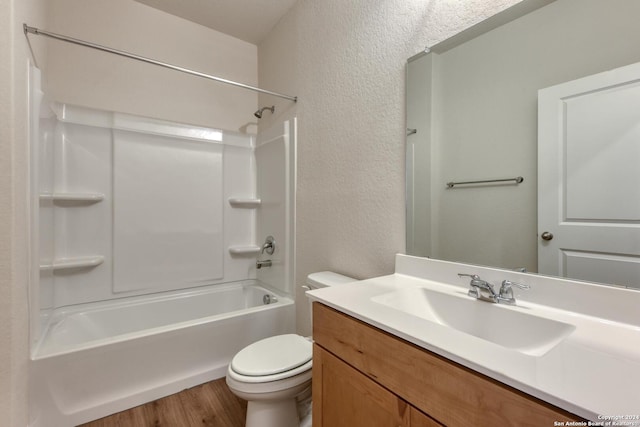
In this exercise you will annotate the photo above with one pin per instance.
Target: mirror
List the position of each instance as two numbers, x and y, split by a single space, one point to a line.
472 114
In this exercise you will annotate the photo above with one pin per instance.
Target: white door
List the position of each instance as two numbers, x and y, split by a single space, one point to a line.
589 178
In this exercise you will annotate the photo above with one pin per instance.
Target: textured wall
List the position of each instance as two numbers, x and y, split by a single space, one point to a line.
346 63
14 331
82 76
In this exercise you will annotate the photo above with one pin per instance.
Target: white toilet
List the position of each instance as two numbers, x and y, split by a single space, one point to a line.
274 374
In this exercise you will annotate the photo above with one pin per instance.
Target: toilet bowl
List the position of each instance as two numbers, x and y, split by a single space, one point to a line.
273 374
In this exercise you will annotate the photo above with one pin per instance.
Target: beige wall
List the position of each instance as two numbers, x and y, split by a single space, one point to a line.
346 63
14 335
87 77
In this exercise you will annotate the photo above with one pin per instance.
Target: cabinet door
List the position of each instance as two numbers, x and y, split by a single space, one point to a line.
343 397
418 419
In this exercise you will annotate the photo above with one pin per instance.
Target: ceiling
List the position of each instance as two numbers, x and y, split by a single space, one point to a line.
248 20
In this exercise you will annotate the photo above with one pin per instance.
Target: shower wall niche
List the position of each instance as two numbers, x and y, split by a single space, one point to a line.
130 206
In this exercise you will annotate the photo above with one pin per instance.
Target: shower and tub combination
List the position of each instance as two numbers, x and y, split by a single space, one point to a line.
145 241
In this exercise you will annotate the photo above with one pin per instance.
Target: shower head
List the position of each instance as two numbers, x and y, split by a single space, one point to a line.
258 113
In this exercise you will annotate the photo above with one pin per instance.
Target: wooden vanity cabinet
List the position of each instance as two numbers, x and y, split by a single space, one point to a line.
349 398
363 376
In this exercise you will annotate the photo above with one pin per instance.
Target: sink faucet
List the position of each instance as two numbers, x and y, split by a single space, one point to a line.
483 290
480 289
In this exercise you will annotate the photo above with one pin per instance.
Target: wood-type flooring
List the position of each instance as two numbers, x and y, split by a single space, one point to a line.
209 404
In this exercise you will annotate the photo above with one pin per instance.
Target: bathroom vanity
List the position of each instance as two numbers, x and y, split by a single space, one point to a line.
414 349
366 377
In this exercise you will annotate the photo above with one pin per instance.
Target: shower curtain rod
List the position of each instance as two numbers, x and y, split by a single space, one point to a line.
39 32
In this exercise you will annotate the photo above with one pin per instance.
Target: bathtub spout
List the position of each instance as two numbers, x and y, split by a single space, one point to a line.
265 263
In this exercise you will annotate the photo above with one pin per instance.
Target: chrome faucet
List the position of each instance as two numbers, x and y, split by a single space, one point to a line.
483 290
480 289
265 263
269 247
506 291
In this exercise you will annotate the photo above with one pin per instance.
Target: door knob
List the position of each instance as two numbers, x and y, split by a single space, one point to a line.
546 236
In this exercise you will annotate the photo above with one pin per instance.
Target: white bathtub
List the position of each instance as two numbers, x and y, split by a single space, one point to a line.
100 358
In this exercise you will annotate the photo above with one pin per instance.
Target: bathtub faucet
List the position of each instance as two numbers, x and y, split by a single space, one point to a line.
269 245
265 263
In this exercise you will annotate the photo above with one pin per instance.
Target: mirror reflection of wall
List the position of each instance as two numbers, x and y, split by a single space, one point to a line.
474 107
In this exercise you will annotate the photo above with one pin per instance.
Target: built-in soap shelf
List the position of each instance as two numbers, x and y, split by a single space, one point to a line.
248 250
244 202
73 262
73 197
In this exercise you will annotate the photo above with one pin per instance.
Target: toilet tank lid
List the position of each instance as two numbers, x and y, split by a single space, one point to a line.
323 279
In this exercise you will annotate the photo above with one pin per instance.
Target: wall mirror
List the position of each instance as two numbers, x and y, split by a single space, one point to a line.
473 114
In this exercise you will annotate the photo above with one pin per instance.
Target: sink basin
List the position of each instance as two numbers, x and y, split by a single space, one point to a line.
505 326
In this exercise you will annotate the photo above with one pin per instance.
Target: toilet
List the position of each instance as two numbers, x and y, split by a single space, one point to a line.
274 374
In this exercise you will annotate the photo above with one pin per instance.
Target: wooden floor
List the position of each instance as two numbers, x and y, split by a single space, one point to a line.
210 404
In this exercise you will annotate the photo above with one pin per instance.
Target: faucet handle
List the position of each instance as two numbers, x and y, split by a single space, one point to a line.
472 276
476 284
507 284
506 292
269 245
475 279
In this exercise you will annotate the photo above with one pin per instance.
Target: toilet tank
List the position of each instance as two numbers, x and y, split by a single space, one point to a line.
324 279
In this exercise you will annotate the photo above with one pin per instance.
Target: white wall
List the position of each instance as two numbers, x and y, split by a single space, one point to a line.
275 151
82 76
346 63
14 335
185 245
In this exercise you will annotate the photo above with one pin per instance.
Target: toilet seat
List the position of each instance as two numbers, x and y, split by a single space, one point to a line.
272 359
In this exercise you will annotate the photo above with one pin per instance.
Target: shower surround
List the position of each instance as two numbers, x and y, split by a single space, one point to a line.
145 235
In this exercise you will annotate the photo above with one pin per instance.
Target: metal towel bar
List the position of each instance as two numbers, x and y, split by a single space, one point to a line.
517 180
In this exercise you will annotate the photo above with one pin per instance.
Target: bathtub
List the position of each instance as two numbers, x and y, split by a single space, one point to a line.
100 358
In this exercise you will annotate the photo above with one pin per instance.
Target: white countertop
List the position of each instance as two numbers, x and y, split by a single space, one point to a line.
594 372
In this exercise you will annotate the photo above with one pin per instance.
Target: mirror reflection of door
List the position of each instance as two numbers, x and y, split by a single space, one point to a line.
588 176
474 102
